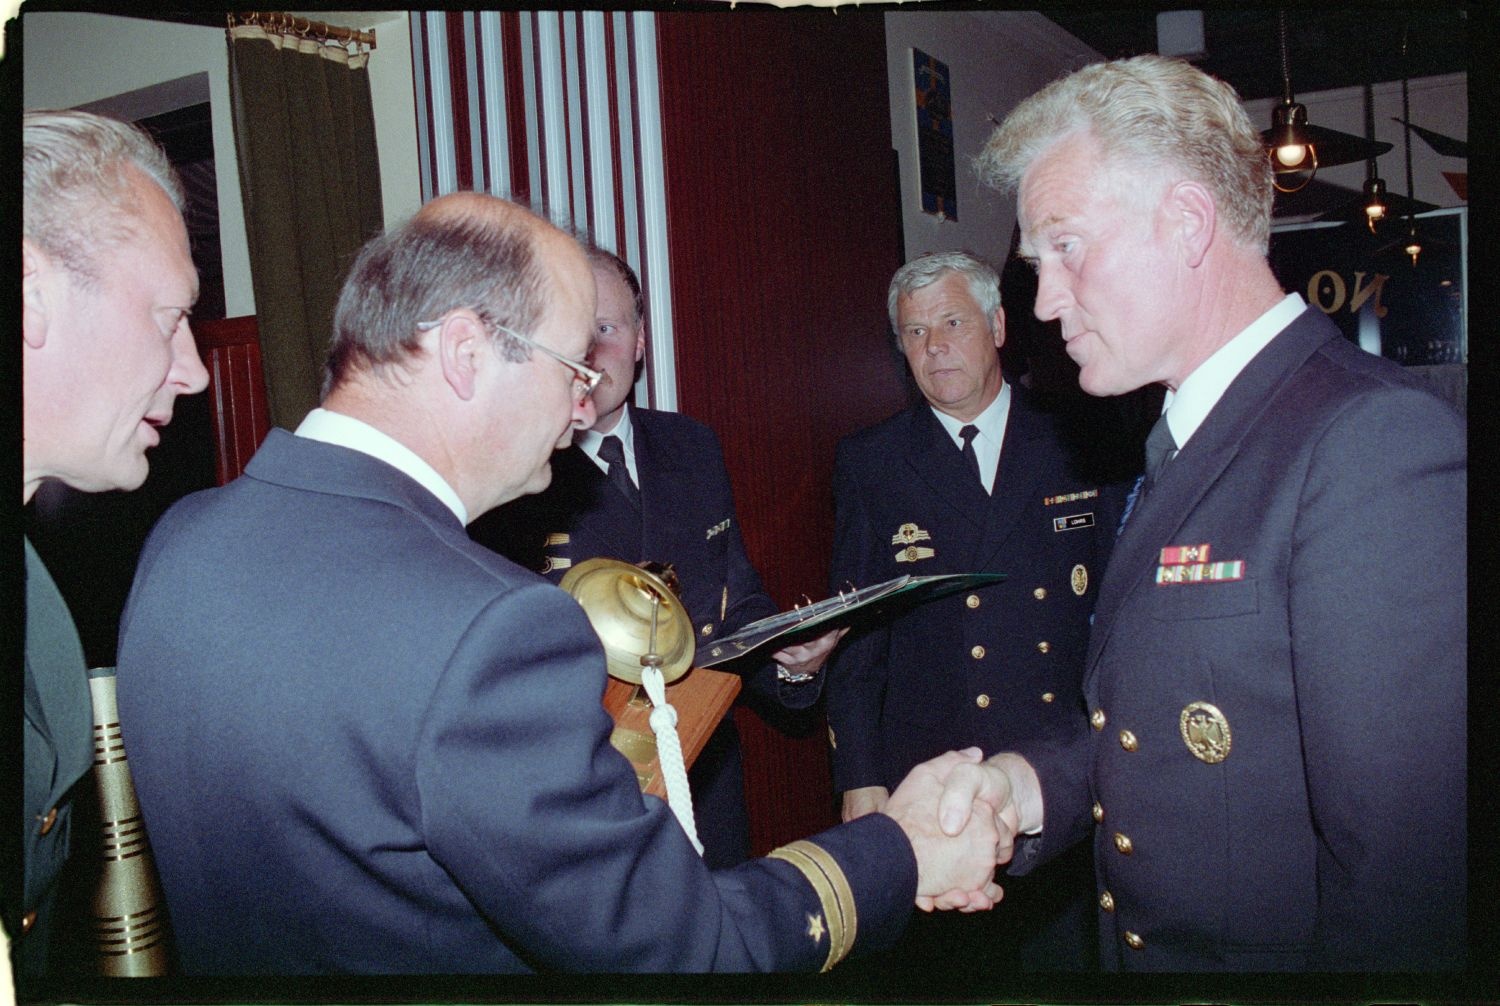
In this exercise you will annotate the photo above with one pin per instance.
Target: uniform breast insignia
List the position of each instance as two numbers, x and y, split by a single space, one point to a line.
908 535
1086 494
1189 564
553 562
1079 579
1072 522
1177 555
723 525
1205 731
557 538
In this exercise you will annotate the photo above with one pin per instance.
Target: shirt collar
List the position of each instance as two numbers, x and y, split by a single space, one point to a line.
991 421
346 431
589 440
1195 398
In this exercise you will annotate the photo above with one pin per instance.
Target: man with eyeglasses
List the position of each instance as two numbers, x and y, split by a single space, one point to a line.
364 743
647 485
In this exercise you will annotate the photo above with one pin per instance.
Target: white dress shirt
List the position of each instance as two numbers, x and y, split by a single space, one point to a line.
346 431
991 423
590 440
1195 398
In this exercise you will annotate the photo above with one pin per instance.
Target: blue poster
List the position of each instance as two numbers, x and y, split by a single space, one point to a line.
935 136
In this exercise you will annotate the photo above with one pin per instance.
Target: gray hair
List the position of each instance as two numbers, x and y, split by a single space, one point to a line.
77 180
924 270
429 266
1150 112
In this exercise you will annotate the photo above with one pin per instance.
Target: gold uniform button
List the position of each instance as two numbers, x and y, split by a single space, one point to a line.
1098 812
1107 901
977 653
1048 697
27 921
972 600
1127 740
1133 941
1098 719
708 629
1123 844
1044 647
1040 593
49 821
983 702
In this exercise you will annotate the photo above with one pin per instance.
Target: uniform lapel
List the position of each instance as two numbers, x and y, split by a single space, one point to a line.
596 508
1015 479
1196 467
935 459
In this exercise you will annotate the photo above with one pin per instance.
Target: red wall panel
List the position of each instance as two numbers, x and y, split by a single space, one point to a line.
784 225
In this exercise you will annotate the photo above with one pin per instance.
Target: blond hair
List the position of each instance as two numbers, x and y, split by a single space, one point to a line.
1148 112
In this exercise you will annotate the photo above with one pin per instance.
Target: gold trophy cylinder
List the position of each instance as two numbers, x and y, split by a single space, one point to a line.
130 930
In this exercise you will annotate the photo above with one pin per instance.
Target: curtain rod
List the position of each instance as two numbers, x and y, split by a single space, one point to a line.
302 26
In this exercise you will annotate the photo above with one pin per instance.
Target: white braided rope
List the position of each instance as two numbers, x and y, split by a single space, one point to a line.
669 752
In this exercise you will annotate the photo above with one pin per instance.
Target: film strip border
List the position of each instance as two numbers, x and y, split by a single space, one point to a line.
558 110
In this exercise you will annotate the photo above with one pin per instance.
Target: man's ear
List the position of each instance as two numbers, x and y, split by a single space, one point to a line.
1196 217
461 345
640 343
999 324
35 267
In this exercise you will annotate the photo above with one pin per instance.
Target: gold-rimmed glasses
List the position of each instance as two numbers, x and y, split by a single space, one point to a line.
584 376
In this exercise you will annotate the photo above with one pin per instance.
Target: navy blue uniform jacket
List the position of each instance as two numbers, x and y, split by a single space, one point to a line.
1324 826
364 743
992 667
688 521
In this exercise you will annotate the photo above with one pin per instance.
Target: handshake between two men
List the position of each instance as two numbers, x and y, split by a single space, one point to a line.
962 815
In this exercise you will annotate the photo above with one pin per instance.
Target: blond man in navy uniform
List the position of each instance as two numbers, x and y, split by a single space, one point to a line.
672 504
1273 766
107 283
973 478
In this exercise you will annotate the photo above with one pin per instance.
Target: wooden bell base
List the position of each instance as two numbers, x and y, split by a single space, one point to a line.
702 698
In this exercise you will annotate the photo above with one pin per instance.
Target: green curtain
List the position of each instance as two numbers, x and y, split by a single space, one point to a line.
310 177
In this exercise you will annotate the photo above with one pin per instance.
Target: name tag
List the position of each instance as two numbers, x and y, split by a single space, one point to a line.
1073 522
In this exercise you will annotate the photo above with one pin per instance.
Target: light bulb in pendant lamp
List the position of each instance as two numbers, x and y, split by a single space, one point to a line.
1291 149
1376 205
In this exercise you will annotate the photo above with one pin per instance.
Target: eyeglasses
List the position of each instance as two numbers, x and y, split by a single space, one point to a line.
585 378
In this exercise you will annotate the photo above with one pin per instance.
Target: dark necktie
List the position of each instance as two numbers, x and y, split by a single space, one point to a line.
1160 448
612 452
968 433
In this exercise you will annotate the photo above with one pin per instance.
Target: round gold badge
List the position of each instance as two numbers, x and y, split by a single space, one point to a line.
1080 579
1205 731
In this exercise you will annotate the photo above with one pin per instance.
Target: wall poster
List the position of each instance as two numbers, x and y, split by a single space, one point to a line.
934 98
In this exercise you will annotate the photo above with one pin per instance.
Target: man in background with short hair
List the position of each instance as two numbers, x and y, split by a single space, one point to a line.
975 478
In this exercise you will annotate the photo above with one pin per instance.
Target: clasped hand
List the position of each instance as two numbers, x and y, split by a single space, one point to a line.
947 807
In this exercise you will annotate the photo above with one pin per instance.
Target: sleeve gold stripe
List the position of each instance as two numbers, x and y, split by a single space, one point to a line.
827 879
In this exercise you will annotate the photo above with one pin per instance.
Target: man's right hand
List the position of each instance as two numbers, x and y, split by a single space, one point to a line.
1006 788
957 867
865 800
